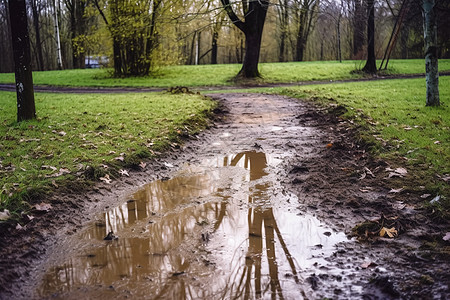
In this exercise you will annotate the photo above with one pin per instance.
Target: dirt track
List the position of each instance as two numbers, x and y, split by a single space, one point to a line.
318 163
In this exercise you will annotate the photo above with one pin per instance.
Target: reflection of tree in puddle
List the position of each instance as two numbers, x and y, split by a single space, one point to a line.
262 225
148 256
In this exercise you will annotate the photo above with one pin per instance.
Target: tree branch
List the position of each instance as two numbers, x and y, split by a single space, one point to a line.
233 17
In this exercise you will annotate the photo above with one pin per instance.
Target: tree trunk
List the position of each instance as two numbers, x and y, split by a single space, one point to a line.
22 60
40 57
251 58
57 37
370 66
215 37
431 52
255 16
358 25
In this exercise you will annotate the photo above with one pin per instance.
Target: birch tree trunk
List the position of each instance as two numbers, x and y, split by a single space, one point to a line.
22 60
58 39
431 52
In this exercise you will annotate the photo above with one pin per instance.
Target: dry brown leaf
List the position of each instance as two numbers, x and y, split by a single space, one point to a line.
142 165
368 264
446 237
4 215
391 232
43 207
124 173
119 158
106 179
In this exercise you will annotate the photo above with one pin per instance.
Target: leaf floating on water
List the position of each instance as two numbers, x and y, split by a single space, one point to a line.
391 232
42 207
124 173
106 179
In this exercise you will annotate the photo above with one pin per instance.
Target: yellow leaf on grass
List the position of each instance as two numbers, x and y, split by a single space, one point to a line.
391 232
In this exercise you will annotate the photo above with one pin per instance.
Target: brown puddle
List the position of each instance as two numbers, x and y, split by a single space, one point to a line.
222 230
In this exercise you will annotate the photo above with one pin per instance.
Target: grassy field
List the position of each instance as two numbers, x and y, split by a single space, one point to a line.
396 122
87 136
219 75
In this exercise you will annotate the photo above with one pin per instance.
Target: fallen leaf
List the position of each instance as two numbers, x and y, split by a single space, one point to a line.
120 158
399 172
435 199
395 191
124 173
61 172
368 264
446 237
106 179
142 165
19 227
169 165
368 172
4 215
391 232
424 196
329 145
43 207
437 142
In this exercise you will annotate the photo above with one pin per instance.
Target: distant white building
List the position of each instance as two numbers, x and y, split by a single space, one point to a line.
95 62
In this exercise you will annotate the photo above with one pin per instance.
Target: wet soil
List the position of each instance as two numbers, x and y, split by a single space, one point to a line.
262 205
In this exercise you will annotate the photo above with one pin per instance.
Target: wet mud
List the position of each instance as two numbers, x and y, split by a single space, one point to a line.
260 206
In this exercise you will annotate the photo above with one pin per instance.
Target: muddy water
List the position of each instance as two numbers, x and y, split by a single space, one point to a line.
221 227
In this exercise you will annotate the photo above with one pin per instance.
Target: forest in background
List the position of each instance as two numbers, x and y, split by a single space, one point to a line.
168 32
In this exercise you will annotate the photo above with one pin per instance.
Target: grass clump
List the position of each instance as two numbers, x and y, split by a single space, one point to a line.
394 119
87 136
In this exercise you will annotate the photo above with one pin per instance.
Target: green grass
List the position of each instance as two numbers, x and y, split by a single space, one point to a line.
82 134
219 75
393 112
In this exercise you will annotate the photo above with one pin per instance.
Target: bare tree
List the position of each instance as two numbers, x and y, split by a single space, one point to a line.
254 13
370 66
22 60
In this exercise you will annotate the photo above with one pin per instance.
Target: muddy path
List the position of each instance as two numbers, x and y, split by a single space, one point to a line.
259 206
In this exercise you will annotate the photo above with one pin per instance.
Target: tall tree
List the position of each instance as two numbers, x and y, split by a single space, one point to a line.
370 66
431 52
78 22
35 9
305 14
22 60
254 14
358 25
